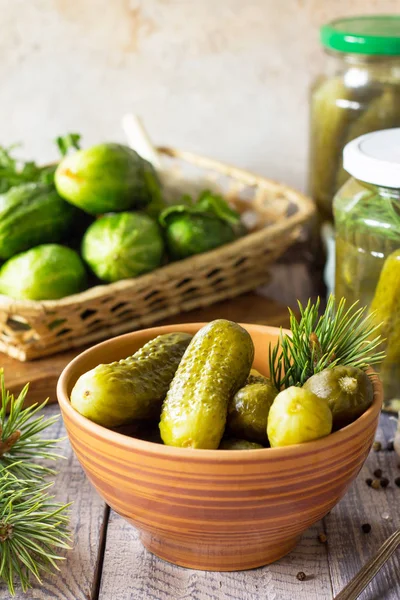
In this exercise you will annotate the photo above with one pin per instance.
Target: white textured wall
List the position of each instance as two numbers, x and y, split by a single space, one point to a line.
228 78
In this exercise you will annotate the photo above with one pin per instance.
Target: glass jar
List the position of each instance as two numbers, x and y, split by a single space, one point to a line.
359 92
367 222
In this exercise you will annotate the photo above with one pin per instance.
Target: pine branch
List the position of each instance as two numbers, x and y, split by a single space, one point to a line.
32 528
340 336
20 442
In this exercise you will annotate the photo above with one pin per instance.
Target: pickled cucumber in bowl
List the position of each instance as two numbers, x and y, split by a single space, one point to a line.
203 393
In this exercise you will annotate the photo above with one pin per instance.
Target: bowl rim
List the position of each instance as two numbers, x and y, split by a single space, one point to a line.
132 443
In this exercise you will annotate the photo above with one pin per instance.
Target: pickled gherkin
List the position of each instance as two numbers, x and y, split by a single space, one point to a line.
386 310
356 95
382 111
248 410
329 123
296 416
215 365
347 390
133 388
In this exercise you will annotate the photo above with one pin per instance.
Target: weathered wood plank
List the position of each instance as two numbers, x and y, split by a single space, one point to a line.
75 581
349 548
131 573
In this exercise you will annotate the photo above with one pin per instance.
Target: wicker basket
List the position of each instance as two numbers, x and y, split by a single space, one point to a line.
31 329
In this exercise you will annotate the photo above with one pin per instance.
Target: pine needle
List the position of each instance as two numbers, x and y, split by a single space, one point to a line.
32 528
20 443
340 336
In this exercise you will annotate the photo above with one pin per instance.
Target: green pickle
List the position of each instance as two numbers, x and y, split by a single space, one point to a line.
248 410
234 444
382 112
133 388
215 365
386 310
361 99
347 390
329 122
296 416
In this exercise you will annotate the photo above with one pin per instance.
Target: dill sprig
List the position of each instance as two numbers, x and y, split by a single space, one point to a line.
32 527
345 336
20 443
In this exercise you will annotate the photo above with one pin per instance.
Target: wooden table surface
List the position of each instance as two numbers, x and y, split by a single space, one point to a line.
108 562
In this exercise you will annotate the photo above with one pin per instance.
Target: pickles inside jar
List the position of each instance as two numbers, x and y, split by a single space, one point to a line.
215 365
385 308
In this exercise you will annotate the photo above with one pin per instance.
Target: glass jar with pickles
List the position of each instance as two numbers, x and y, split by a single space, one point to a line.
359 92
367 222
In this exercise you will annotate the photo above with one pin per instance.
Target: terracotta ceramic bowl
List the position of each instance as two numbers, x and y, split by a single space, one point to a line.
217 510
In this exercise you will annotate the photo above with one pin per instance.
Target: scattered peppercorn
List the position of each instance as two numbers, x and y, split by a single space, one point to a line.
384 482
397 481
368 481
377 446
390 446
322 538
378 473
301 576
376 484
366 527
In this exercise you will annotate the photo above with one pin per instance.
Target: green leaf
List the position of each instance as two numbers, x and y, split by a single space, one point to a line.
215 204
67 142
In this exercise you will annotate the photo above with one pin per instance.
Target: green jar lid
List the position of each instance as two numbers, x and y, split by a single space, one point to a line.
375 34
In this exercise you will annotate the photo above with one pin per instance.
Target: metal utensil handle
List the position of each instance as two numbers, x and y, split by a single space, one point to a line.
354 588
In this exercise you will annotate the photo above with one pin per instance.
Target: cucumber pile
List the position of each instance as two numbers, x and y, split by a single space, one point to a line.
97 216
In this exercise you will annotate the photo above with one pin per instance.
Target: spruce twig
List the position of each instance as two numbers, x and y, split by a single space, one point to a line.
32 527
344 336
20 443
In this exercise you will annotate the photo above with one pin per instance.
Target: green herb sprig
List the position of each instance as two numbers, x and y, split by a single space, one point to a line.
20 443
339 336
15 172
32 527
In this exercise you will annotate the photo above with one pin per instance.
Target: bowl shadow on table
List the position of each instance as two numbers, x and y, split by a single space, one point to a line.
207 509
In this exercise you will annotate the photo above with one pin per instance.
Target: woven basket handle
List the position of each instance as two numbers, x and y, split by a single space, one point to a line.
139 140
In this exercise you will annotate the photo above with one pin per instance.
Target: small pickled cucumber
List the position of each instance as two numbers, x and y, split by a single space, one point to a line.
382 112
248 410
215 365
133 388
330 117
348 391
386 310
256 377
232 444
296 416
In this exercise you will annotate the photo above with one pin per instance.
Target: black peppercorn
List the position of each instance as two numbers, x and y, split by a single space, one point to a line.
366 527
378 473
384 482
368 481
376 446
397 481
301 576
390 446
